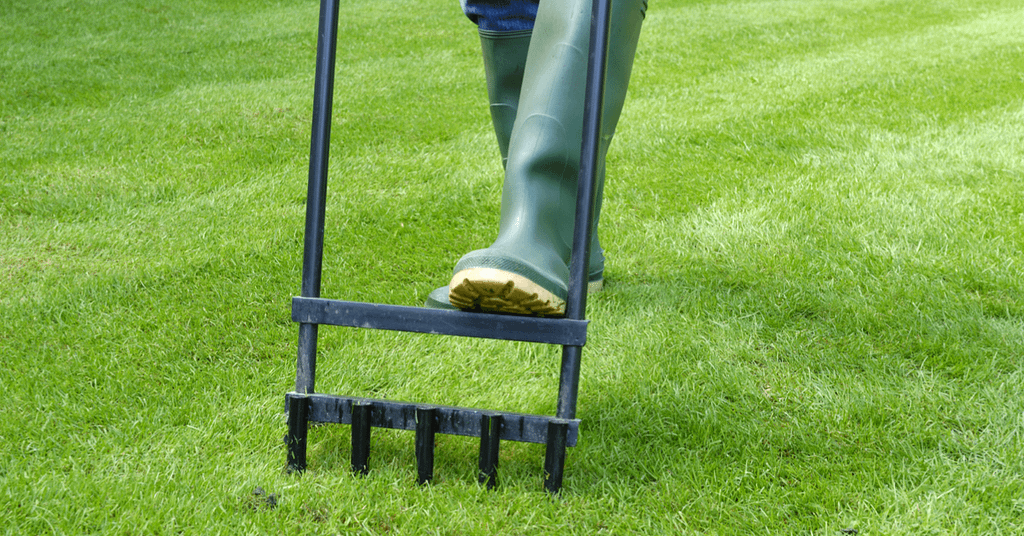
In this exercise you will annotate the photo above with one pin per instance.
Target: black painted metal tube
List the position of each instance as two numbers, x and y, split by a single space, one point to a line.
319 150
316 195
576 303
298 416
426 428
554 456
490 439
569 382
593 104
305 369
361 437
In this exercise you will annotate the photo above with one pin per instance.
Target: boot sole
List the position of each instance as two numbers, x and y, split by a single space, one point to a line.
499 291
440 298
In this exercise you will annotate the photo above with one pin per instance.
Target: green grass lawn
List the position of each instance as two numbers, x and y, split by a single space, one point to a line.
813 323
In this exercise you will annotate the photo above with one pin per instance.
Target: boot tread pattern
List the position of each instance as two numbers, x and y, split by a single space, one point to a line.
498 291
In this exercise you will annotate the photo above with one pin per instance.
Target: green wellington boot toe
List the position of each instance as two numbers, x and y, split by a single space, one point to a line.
497 284
496 290
501 291
498 280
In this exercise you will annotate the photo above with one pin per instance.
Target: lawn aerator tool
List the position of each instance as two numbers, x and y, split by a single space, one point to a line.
492 427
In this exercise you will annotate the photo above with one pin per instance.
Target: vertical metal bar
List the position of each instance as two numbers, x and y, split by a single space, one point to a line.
320 144
576 302
569 382
361 415
593 105
490 438
426 427
316 197
298 418
305 369
554 456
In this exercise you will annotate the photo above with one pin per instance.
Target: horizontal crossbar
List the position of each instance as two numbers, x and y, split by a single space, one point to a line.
450 420
561 331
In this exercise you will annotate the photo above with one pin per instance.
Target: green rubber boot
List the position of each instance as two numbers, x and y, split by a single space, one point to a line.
525 271
504 55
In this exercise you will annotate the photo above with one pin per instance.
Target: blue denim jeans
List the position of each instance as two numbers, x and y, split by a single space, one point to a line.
501 15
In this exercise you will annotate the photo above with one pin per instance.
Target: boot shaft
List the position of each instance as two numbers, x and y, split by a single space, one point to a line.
544 150
504 55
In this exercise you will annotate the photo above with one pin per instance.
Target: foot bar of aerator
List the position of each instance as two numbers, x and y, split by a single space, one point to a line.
439 321
451 420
